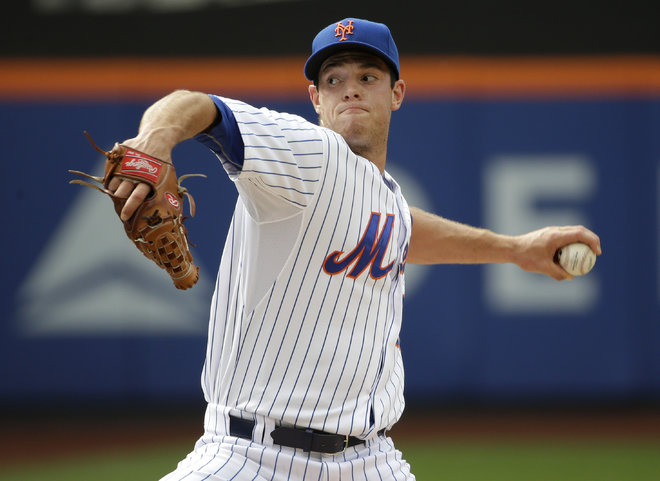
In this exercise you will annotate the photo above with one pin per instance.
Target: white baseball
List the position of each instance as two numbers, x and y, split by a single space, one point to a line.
577 259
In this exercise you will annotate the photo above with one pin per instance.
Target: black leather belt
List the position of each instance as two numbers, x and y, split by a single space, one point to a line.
305 439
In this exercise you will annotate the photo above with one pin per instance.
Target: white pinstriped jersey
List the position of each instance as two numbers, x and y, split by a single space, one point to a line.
307 307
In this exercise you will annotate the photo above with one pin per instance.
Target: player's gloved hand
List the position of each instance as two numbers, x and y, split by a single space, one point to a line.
136 192
148 197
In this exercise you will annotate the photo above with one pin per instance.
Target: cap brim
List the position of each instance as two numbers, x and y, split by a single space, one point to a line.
313 64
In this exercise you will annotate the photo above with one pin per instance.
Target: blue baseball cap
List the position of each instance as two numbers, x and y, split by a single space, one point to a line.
352 33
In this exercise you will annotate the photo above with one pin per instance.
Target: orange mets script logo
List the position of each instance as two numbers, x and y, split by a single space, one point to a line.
343 30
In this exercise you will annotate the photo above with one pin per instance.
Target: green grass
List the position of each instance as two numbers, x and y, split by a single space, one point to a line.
535 461
138 464
443 461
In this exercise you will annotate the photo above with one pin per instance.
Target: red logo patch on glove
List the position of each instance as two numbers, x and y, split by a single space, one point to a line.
141 165
172 200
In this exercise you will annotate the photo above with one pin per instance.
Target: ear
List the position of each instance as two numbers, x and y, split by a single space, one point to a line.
398 92
314 97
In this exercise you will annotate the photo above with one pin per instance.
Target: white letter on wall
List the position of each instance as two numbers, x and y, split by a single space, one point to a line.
513 187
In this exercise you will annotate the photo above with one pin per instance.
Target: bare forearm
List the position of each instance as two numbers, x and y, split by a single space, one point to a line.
436 240
171 120
176 117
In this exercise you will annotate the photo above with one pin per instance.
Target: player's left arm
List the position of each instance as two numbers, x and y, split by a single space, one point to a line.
170 120
436 240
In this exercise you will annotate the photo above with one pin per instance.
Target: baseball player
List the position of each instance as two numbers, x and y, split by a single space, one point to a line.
303 374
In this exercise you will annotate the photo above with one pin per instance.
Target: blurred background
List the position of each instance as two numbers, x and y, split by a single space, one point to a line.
516 117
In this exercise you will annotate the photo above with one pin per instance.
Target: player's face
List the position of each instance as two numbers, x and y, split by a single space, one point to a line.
355 98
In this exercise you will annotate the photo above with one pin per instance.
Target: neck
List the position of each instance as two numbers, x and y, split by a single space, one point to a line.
375 156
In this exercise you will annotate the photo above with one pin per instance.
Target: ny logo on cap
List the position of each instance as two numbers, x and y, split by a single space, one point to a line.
343 30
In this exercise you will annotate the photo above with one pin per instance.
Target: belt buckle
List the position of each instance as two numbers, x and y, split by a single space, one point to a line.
344 448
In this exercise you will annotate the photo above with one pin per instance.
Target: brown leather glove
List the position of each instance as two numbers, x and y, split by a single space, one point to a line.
156 228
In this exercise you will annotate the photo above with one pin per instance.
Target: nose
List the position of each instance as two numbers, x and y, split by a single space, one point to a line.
353 90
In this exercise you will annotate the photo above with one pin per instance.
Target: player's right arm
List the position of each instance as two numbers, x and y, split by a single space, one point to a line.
174 118
436 240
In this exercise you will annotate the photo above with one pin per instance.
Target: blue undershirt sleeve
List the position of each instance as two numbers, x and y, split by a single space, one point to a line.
223 136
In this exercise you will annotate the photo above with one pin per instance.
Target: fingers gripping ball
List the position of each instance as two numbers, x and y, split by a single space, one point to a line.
577 259
156 228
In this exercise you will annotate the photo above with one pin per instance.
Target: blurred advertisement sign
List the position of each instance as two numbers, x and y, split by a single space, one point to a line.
156 6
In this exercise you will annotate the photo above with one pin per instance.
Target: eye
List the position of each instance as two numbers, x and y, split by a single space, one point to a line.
369 77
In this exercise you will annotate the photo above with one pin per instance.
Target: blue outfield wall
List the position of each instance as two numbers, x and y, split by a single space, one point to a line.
85 317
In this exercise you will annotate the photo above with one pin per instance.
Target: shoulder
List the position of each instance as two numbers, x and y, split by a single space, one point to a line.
245 112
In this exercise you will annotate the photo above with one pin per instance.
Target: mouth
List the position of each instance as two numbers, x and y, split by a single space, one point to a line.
353 109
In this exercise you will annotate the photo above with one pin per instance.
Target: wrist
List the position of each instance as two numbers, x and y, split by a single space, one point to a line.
157 142
506 249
